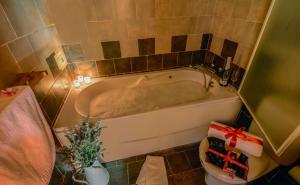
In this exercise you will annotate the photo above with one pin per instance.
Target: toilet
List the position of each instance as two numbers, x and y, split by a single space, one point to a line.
258 166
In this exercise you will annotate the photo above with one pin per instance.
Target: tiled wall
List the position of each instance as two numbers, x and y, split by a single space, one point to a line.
29 42
90 22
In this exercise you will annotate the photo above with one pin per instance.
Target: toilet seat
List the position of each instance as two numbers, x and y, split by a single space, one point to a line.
258 166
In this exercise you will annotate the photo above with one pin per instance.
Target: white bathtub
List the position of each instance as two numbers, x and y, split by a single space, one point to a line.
167 119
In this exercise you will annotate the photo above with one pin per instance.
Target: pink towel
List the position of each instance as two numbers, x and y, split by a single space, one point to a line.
27 149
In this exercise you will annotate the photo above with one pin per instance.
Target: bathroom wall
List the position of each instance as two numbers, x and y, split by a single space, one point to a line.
88 27
29 42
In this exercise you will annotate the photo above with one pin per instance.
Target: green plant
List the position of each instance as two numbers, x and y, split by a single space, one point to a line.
85 145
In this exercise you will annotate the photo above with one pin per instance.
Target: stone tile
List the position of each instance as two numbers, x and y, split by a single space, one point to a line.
134 171
104 9
170 60
178 162
129 48
209 58
206 40
139 64
6 32
219 62
155 62
185 58
217 45
224 8
162 45
111 49
129 160
24 15
193 157
178 43
229 49
105 67
146 46
59 90
73 70
241 9
122 65
88 68
258 10
118 175
182 25
73 52
191 177
198 57
201 24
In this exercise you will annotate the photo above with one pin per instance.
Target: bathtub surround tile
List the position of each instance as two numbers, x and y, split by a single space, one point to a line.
170 60
178 43
198 57
229 49
88 68
6 31
178 162
206 40
209 58
106 67
241 72
146 46
219 63
73 52
145 9
185 58
155 62
51 61
51 106
73 70
139 64
122 65
111 49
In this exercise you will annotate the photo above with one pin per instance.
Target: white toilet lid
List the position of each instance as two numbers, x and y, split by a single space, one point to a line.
258 166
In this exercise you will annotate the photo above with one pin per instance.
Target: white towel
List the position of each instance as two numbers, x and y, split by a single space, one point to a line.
27 149
153 172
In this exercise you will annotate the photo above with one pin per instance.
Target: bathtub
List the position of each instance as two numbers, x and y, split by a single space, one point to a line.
147 112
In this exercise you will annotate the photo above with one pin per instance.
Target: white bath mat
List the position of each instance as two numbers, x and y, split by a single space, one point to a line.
153 172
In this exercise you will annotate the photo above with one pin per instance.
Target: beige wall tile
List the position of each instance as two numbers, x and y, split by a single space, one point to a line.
217 45
104 9
145 9
44 11
258 10
162 45
7 73
193 42
201 24
129 48
222 27
241 9
246 33
23 15
92 50
70 33
125 9
107 30
179 8
242 56
182 26
163 9
24 54
159 27
223 8
136 29
6 31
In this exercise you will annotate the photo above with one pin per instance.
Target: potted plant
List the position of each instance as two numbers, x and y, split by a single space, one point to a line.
85 151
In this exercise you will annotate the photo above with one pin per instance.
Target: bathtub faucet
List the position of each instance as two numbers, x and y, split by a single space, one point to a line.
207 84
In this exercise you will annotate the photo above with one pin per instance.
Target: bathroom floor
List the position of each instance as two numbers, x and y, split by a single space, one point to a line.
183 168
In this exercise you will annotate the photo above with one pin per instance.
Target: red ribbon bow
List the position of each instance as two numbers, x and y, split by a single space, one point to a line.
233 134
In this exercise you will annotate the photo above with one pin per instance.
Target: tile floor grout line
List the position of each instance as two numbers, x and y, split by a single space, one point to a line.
188 160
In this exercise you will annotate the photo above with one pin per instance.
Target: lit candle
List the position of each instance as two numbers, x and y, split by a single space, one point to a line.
80 78
87 79
76 83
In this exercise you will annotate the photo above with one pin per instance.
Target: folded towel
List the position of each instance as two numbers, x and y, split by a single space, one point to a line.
27 149
153 172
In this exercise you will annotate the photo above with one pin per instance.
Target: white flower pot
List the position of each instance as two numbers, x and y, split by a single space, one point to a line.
95 175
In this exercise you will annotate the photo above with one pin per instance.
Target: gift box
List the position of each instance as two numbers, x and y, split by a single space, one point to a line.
232 162
237 138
